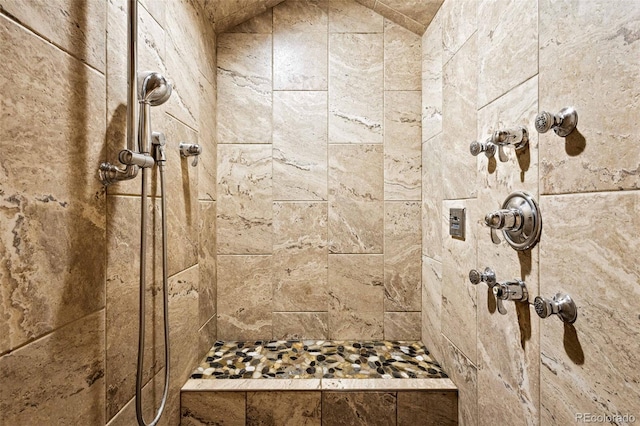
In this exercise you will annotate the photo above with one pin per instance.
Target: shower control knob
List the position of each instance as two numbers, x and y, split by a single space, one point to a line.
515 290
190 150
562 123
489 148
561 305
488 276
519 220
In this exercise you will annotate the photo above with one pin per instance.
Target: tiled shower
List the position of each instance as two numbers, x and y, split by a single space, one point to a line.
335 140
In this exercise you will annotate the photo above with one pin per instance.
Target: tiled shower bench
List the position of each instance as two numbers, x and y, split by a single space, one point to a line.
319 383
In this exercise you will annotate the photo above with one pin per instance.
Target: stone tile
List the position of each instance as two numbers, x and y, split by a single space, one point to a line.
202 39
458 24
156 8
52 270
508 345
252 385
507 46
300 61
386 384
465 375
505 339
432 79
207 161
459 321
123 289
347 16
244 221
459 117
300 145
223 408
603 154
182 191
244 88
183 334
432 190
207 336
284 408
402 62
151 399
428 408
356 325
207 261
591 366
358 408
355 227
300 325
184 49
400 19
241 15
259 24
356 89
402 145
402 242
421 11
300 257
151 56
402 325
244 297
356 296
355 199
301 16
497 179
72 389
431 325
78 27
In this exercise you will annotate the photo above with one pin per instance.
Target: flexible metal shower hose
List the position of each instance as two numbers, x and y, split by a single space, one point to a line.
165 290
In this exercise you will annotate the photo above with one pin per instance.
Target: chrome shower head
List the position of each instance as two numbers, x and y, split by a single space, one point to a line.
153 88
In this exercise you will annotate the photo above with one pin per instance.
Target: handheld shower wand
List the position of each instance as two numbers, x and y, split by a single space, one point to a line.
154 90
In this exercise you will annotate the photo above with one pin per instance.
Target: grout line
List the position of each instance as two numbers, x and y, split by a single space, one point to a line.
50 332
42 37
599 192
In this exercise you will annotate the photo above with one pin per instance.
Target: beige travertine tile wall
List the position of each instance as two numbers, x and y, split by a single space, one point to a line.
495 64
319 175
68 277
415 15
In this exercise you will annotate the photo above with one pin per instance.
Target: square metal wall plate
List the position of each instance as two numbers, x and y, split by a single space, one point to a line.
457 223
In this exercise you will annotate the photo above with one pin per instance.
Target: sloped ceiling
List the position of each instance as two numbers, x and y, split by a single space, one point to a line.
414 15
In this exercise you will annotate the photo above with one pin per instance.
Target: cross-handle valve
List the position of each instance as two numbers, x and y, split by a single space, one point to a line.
190 150
515 290
561 305
488 276
518 137
488 147
563 123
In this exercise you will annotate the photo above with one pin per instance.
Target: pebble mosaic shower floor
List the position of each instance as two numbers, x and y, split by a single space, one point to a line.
309 359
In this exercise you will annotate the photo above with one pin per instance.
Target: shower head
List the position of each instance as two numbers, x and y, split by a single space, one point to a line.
153 88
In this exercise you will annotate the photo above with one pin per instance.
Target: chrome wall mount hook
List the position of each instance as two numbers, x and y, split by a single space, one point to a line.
190 150
562 123
561 305
519 220
515 290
